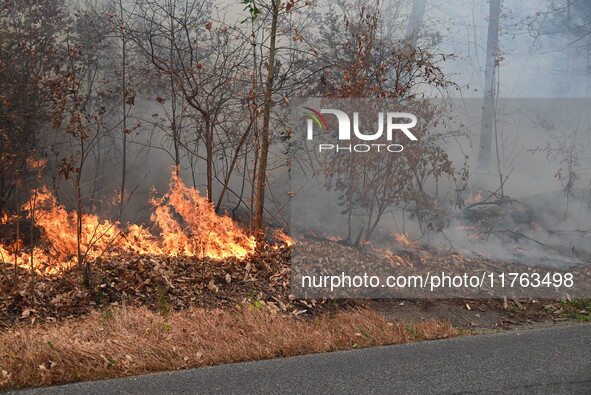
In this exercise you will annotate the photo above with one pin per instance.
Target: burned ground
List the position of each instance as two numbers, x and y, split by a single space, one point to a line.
166 284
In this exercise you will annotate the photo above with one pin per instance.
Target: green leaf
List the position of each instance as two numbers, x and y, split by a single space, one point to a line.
252 8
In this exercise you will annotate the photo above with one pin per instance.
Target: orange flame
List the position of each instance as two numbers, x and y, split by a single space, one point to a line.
474 198
187 224
402 238
281 236
204 234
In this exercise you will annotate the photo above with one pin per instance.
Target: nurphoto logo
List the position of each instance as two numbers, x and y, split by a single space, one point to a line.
392 121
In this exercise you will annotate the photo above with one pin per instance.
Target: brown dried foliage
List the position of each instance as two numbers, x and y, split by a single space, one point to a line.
136 341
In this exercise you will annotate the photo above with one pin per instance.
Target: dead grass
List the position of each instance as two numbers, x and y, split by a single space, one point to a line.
136 341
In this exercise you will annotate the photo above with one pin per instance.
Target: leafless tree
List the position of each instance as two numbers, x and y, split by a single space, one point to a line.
492 62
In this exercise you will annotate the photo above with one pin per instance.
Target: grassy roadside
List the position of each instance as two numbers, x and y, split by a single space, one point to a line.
577 309
136 341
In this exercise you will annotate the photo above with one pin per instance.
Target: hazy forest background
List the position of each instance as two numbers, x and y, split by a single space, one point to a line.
102 100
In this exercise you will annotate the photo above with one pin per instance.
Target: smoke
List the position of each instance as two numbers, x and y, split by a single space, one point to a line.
541 54
532 206
539 156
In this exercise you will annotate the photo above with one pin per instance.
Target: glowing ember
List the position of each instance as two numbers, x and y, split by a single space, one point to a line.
279 235
474 198
402 238
187 225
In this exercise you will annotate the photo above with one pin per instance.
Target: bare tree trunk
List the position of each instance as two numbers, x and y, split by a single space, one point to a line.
492 54
209 156
416 20
175 129
174 124
571 50
81 256
124 99
18 222
33 219
254 118
265 140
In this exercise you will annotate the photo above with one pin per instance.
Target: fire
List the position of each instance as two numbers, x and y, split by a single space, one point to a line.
5 218
474 198
200 231
59 228
279 235
185 223
402 238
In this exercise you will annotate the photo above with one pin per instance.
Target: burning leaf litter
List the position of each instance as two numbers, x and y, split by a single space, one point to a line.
185 222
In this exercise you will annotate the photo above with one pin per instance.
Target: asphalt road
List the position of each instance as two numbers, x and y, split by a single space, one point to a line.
544 361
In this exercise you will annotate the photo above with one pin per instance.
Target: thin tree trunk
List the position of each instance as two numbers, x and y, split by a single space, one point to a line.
492 53
81 255
124 98
33 209
84 268
262 171
254 118
209 157
416 20
18 222
174 124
